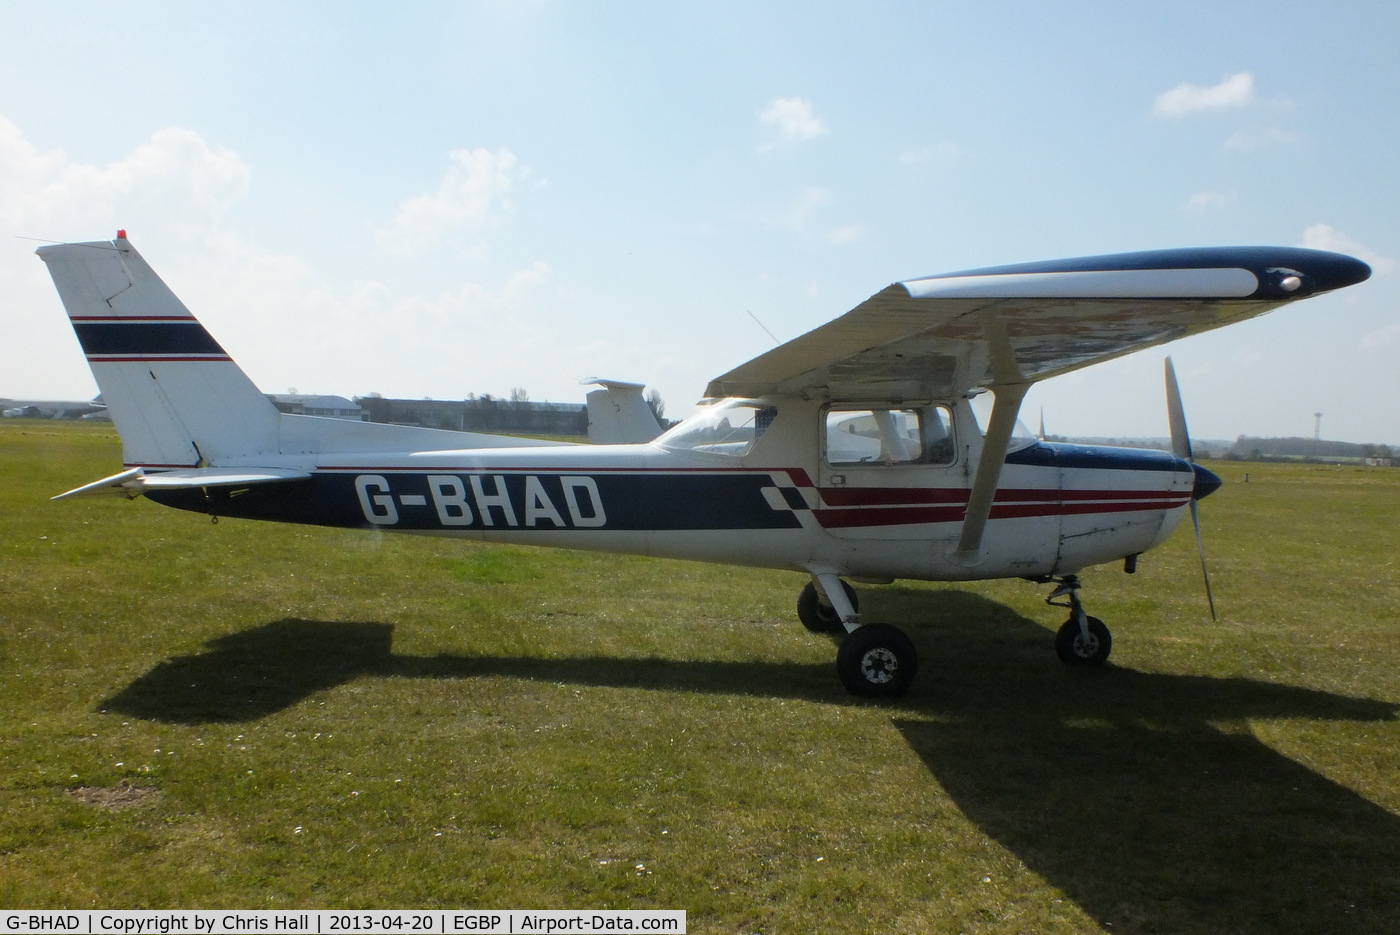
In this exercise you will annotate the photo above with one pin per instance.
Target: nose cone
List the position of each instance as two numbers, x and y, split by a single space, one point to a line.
1207 483
1348 272
1337 271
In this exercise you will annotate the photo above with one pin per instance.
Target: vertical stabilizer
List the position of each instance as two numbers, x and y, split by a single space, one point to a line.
618 414
175 396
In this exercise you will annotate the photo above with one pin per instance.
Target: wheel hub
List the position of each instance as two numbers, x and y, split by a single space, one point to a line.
879 666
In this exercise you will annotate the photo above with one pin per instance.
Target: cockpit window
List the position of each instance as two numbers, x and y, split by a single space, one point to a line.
726 428
1021 437
890 436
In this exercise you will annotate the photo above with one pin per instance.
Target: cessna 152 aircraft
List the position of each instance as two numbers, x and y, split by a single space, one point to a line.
851 452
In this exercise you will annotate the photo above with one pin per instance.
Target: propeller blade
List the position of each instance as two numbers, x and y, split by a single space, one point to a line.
1181 447
1201 547
1176 416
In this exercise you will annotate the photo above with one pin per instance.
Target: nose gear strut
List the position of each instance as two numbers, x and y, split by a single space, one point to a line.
1082 640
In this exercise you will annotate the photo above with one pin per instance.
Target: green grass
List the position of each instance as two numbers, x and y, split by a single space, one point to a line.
304 717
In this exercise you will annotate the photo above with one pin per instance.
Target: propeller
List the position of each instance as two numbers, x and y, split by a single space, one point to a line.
1206 482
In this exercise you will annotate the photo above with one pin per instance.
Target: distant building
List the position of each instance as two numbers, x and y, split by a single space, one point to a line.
330 407
49 408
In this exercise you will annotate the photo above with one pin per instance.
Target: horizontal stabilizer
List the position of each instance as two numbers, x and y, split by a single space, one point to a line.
135 482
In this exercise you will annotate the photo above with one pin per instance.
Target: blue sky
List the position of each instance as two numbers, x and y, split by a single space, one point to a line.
434 199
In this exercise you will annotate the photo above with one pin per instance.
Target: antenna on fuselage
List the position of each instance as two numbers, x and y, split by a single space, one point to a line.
764 327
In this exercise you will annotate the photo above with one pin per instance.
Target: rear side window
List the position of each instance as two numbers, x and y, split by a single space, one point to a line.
889 436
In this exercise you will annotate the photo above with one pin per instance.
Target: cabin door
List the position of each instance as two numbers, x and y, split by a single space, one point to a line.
891 472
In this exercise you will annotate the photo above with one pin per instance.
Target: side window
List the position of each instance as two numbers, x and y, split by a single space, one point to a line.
890 436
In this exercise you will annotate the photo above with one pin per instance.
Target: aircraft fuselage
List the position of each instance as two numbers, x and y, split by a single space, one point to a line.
1058 508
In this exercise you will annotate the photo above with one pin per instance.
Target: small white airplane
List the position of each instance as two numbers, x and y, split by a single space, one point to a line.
851 452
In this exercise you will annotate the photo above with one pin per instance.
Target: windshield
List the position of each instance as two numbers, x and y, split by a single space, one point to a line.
1021 437
729 428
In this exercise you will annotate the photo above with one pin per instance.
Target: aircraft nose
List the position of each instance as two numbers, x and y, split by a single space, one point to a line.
1206 484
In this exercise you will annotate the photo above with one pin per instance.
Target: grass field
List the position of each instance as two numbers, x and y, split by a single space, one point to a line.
250 715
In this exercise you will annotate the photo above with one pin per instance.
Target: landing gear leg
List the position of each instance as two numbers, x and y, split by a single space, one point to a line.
875 660
828 589
817 612
1082 640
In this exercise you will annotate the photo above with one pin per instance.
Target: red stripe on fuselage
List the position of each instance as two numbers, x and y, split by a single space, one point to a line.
919 515
896 496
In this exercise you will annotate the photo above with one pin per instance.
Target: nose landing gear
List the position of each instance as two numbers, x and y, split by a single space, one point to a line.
1082 640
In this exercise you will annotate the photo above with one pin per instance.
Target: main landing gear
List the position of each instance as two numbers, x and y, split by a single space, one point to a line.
875 660
1082 640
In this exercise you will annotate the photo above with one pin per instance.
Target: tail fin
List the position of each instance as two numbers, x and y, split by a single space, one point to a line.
175 396
618 414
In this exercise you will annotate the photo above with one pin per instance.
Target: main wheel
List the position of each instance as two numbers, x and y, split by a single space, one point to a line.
877 661
819 618
1074 650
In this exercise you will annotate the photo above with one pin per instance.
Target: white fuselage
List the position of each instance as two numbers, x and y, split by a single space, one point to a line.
775 498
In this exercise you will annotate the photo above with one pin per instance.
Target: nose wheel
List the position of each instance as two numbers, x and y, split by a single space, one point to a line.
1086 644
1082 640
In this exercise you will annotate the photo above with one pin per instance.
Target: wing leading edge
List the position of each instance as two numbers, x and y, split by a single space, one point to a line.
941 336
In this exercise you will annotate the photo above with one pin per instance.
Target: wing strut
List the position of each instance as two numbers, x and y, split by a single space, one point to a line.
1005 408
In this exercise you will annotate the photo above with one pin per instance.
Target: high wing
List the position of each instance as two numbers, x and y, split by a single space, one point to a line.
1005 326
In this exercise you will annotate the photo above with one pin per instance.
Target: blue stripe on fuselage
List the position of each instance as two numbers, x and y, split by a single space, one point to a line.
436 500
1097 457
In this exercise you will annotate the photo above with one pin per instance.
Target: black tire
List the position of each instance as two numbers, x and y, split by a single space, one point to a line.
877 661
1072 648
821 619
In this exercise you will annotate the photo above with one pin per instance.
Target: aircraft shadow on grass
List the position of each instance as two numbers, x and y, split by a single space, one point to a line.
1143 797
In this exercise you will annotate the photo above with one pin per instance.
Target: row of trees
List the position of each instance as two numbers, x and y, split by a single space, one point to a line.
1246 448
488 413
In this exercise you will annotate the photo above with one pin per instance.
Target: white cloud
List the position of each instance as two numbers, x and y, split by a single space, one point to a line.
1234 91
1201 202
174 179
172 189
471 195
1327 237
173 192
794 118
